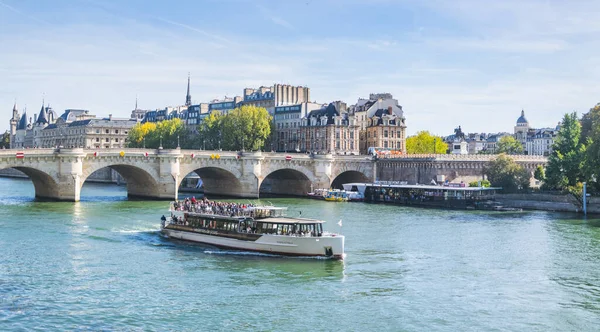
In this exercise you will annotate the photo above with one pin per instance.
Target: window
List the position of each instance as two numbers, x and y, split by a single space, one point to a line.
385 133
97 131
116 131
97 139
116 139
107 131
107 140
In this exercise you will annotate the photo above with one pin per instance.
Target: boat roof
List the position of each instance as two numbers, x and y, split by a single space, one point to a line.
426 187
287 220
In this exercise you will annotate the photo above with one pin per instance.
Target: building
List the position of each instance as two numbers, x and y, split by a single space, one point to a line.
535 141
491 143
224 105
327 130
288 121
376 117
276 95
74 128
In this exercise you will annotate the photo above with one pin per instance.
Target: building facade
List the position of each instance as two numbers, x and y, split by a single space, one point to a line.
376 116
288 121
327 130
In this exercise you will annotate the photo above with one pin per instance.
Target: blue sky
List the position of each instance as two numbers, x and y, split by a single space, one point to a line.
448 62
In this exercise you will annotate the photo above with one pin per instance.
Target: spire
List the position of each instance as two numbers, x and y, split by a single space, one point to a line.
15 107
42 119
136 102
188 97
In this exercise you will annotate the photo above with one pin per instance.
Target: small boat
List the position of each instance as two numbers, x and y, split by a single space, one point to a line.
336 195
317 194
262 229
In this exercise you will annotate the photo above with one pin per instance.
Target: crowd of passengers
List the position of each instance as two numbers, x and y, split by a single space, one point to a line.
207 206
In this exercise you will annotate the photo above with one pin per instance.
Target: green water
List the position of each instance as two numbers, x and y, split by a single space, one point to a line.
100 264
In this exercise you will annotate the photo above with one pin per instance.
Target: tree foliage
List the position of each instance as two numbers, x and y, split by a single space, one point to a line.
539 173
423 142
565 164
506 173
5 140
509 145
591 134
150 135
246 128
483 183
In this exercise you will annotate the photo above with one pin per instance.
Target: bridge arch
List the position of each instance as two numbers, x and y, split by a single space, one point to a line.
348 177
142 179
45 185
285 181
215 180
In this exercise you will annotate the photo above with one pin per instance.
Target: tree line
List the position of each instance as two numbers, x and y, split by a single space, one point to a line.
244 128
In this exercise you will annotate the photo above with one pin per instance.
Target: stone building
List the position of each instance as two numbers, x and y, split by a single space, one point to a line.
276 95
327 130
288 121
376 116
74 128
535 141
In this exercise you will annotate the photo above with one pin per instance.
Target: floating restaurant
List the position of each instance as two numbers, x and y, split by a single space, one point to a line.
453 195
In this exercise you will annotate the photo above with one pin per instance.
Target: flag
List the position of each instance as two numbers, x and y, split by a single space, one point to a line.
192 156
146 154
340 223
96 154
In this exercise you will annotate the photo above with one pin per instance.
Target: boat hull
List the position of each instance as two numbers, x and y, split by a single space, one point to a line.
322 246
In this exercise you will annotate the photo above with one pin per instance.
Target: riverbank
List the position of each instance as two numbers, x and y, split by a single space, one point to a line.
547 202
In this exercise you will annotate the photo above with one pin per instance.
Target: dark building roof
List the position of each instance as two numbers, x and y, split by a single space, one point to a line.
380 113
42 119
71 115
23 121
330 112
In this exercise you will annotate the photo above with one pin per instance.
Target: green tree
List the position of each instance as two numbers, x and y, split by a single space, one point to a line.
5 140
210 131
539 173
509 145
504 172
591 133
246 128
565 164
483 183
423 142
169 132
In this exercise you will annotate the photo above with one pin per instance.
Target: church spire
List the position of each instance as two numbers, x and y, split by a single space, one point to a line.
136 98
188 97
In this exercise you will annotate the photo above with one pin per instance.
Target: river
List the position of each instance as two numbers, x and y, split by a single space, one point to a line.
100 264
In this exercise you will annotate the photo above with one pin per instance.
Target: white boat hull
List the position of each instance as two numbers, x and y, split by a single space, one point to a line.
325 246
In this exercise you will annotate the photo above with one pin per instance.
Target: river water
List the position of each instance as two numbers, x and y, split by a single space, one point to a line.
100 264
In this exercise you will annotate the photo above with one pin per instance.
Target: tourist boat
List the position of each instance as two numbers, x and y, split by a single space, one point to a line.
262 229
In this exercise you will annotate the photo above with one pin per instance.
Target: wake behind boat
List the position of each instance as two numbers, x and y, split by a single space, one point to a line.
262 229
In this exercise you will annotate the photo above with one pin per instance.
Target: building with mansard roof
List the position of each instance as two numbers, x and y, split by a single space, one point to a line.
329 130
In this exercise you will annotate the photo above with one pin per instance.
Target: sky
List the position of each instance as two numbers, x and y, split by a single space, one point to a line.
471 63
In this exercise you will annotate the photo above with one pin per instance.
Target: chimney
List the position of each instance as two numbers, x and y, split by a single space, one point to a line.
110 117
390 110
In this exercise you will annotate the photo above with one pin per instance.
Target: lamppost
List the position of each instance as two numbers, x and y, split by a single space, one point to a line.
160 146
203 143
219 140
285 147
243 144
434 143
144 142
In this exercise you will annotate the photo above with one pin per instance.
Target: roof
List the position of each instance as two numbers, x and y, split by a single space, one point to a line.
23 121
330 112
41 119
522 118
428 187
71 115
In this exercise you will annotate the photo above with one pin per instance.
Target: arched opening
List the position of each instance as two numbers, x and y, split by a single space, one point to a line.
18 182
138 182
104 184
285 182
211 181
348 177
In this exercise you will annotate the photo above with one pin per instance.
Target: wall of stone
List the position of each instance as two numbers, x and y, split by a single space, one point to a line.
547 202
425 171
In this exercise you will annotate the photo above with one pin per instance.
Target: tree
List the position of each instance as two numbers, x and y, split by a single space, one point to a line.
246 128
5 140
506 173
539 173
566 161
590 131
423 142
483 183
509 145
169 133
210 131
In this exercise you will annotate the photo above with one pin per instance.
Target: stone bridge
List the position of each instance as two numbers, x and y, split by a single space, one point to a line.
59 174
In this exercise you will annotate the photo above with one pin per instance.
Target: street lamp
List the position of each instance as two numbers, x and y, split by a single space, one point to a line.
160 146
144 142
203 143
285 147
178 142
219 140
434 143
242 143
